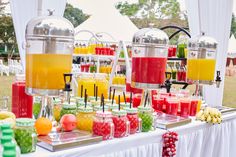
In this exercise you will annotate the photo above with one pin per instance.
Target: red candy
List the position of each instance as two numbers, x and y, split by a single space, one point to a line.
120 124
102 129
133 119
169 147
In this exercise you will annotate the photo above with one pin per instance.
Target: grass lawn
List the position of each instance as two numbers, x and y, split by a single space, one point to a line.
229 89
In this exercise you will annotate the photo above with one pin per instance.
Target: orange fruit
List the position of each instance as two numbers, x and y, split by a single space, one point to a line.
43 126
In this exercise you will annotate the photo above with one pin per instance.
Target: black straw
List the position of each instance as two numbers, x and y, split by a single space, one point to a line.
94 90
119 101
103 104
113 96
101 100
124 97
145 102
85 104
110 93
85 97
96 93
81 92
130 101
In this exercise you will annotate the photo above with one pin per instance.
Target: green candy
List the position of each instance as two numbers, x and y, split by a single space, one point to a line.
36 109
147 121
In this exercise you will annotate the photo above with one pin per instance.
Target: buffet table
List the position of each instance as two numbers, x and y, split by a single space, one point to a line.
197 139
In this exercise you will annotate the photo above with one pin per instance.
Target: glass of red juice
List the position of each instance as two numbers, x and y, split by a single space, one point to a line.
157 103
137 100
22 104
185 107
172 106
193 106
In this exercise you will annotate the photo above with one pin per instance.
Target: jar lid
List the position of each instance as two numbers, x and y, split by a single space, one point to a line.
144 109
9 146
57 101
114 106
102 114
202 41
90 98
5 126
119 113
131 110
8 132
82 103
25 122
85 110
9 153
79 99
6 139
72 100
150 36
123 104
94 102
107 101
70 106
50 26
99 108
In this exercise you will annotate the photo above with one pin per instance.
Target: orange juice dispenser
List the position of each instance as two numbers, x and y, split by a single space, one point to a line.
49 48
201 63
149 58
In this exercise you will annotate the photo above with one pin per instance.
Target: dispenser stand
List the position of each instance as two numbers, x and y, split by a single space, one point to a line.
46 108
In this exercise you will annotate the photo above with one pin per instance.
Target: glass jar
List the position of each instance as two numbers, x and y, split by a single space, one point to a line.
57 109
124 105
99 108
135 121
103 125
102 84
145 113
25 135
86 82
21 102
121 123
68 109
36 106
85 118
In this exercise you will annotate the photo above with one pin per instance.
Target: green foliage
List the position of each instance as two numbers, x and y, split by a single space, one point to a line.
74 15
233 25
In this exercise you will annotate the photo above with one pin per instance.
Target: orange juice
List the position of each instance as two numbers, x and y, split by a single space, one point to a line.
102 87
45 71
88 83
201 69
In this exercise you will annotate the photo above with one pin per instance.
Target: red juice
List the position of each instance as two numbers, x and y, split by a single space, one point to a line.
133 119
137 100
193 107
172 107
120 123
148 70
102 129
184 108
157 104
21 102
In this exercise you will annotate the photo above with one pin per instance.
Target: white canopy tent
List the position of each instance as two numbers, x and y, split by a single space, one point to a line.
24 10
108 23
232 47
214 18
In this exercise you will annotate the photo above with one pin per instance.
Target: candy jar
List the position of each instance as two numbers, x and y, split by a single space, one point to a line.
85 118
145 113
135 121
25 135
121 123
103 125
68 109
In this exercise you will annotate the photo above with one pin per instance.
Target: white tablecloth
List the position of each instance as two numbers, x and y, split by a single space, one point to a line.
197 139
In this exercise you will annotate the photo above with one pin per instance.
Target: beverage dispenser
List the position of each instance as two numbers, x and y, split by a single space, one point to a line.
49 48
201 63
150 50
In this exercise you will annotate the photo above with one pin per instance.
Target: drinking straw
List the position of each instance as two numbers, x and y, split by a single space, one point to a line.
96 93
146 97
119 101
94 89
113 96
85 104
81 92
130 102
103 104
101 100
110 93
85 98
124 97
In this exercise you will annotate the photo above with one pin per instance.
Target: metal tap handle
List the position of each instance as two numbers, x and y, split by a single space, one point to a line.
67 82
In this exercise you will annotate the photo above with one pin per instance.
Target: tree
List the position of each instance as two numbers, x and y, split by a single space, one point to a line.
7 33
74 15
233 25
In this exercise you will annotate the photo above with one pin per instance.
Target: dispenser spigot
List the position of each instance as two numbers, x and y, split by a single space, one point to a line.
167 82
67 89
218 79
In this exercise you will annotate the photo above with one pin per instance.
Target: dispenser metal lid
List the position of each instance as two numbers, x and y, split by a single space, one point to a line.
50 26
150 36
203 41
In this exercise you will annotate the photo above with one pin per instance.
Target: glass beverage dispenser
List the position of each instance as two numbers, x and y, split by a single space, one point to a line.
150 50
202 59
49 48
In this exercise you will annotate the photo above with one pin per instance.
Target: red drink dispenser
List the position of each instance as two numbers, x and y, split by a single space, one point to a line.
150 50
21 102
